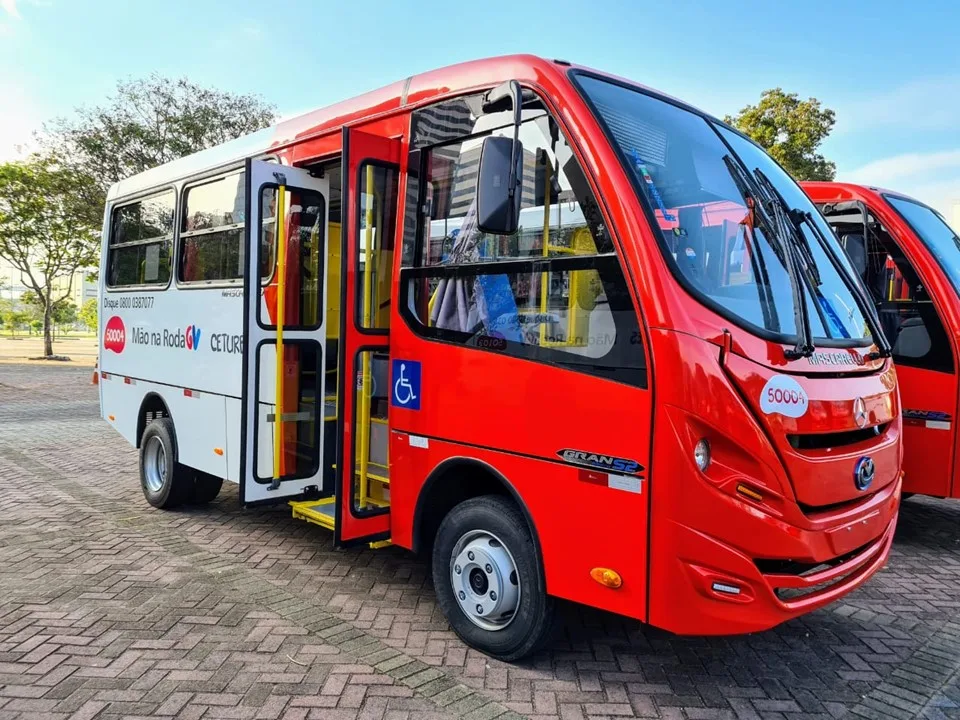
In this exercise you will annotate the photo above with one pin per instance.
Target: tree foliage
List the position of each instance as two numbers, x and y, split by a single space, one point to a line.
89 314
148 122
62 312
45 231
791 130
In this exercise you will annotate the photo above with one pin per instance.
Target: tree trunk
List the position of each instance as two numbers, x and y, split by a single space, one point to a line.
47 329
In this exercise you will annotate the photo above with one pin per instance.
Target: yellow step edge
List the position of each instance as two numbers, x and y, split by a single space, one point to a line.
305 510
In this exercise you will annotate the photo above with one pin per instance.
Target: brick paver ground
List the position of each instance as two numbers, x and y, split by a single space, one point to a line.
111 609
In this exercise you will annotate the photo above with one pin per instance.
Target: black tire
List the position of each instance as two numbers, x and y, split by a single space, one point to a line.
206 487
532 620
168 484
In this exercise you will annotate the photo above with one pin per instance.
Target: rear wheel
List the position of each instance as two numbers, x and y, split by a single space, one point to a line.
165 482
488 578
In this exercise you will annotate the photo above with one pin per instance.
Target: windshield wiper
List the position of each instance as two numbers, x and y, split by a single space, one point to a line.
867 306
805 260
798 217
779 230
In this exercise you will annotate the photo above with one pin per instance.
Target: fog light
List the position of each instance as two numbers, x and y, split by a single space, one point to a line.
725 588
701 454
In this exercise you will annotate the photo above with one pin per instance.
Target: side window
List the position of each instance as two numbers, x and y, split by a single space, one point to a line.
553 291
141 235
907 314
303 222
211 231
377 216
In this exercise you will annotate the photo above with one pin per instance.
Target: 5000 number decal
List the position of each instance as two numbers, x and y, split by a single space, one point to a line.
784 395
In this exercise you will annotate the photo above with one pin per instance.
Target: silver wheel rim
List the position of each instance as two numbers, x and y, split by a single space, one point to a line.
154 464
485 581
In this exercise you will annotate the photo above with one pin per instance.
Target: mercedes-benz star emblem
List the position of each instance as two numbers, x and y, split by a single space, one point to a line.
863 473
860 412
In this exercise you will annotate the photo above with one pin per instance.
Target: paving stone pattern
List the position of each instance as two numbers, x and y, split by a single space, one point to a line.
110 609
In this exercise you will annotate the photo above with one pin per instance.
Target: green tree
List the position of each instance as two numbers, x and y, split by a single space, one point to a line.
146 123
45 230
89 314
791 130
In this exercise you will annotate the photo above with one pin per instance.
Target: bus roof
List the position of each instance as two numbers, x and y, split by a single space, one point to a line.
411 92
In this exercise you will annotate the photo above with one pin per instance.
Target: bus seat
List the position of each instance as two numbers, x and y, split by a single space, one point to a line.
856 246
913 340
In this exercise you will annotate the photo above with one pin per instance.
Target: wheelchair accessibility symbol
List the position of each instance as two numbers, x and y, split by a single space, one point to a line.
405 376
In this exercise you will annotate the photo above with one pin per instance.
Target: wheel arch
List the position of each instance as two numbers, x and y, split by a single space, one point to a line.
151 407
474 477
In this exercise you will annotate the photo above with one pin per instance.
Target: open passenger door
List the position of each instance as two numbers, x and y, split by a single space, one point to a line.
369 211
284 265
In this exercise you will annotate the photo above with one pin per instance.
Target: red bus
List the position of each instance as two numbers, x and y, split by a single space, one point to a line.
909 259
569 336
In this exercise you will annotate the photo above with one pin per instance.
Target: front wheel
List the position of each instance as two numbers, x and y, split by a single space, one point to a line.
165 482
488 578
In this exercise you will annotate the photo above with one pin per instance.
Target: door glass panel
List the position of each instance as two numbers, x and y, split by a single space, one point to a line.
377 216
371 471
304 214
288 442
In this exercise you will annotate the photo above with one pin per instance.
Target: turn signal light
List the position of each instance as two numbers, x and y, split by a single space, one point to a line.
749 492
218 451
607 577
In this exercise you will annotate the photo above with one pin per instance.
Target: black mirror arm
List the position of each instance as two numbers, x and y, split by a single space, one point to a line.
496 99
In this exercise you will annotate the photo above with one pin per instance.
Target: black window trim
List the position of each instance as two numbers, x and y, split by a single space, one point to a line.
358 294
322 313
186 187
763 333
637 377
418 269
131 200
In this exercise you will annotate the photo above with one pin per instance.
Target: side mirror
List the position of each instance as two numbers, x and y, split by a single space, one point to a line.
499 191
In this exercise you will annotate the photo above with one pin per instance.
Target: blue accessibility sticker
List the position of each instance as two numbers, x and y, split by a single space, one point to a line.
405 377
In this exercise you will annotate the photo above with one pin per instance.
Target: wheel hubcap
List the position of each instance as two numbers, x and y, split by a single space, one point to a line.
484 579
154 464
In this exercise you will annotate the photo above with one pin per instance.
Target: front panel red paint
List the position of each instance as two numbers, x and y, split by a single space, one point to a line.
515 415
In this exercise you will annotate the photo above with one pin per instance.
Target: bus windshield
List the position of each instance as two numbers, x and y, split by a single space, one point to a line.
718 246
934 232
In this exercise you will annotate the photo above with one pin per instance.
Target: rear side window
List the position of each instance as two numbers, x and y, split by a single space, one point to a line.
211 231
141 238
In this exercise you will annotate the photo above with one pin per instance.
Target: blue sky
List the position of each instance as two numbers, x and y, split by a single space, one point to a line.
890 69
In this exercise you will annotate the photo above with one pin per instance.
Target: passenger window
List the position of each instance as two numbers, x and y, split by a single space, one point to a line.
212 231
377 218
141 235
907 314
553 291
304 218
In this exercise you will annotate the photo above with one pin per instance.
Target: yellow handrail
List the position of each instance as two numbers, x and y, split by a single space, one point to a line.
367 316
281 228
544 277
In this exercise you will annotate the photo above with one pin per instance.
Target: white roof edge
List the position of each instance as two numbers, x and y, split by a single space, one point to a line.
228 153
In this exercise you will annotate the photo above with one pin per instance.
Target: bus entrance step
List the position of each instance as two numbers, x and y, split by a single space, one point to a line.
319 512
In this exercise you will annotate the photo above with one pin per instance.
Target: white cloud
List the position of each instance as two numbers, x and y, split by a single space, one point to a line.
932 177
19 118
908 165
931 103
10 7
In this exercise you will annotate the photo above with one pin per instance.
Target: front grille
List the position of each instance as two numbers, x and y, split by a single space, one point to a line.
824 441
803 569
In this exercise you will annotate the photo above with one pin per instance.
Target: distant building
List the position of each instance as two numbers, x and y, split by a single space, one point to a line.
12 285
